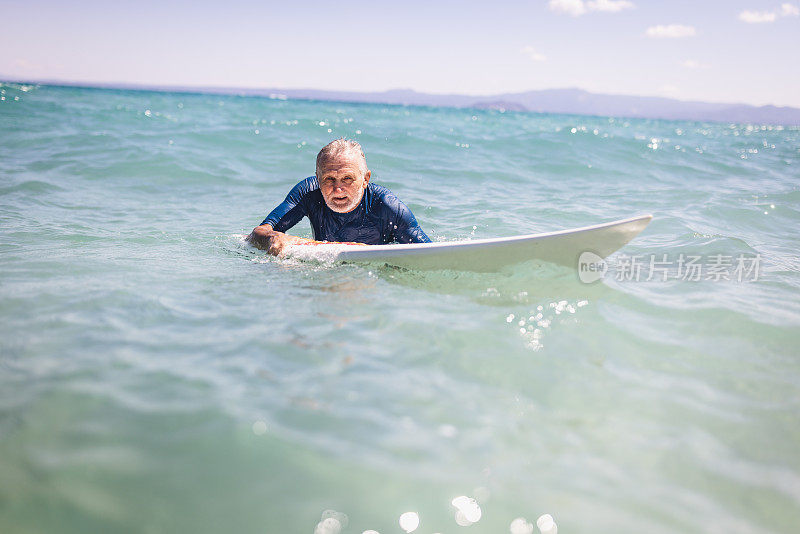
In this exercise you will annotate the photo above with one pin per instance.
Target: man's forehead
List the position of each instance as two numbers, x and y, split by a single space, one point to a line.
341 162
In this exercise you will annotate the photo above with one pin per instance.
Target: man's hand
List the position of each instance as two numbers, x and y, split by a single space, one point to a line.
265 238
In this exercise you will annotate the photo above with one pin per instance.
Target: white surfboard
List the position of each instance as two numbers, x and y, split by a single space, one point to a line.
485 255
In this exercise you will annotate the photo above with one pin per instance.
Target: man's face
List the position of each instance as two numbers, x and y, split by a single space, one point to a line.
342 184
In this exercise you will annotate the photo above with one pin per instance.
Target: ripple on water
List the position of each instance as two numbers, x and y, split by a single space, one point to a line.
149 355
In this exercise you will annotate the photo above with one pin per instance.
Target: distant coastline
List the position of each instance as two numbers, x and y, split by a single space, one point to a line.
560 101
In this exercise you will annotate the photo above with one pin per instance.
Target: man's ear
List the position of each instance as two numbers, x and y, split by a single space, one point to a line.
367 177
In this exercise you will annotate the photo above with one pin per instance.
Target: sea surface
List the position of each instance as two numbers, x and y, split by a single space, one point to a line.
159 375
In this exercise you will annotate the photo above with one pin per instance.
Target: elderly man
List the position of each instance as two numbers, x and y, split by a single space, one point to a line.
341 204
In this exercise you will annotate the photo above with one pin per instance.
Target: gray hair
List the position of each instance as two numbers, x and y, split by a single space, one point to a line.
341 147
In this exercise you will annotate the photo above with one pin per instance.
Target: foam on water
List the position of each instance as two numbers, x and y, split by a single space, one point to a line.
324 253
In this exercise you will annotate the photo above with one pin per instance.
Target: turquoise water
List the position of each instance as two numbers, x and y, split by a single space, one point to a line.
159 375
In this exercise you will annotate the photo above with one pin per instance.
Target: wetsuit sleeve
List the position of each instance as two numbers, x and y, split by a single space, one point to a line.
408 229
291 210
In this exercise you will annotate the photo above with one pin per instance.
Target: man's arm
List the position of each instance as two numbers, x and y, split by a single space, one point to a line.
284 216
407 228
265 238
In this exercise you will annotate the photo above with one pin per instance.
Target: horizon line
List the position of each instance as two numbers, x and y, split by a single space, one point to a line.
200 88
274 93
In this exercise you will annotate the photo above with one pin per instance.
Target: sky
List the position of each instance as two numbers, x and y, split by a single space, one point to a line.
715 51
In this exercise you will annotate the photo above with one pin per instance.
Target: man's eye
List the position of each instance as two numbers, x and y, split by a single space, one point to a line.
348 179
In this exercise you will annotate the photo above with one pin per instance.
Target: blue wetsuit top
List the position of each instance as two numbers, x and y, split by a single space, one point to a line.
379 218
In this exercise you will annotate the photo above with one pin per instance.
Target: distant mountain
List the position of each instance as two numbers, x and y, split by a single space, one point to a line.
566 101
569 101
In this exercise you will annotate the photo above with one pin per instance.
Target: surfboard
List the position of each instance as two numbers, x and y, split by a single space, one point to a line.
563 247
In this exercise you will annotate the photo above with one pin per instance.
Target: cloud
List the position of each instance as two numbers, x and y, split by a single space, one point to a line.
609 6
577 8
533 54
570 7
758 17
789 10
671 31
693 64
755 17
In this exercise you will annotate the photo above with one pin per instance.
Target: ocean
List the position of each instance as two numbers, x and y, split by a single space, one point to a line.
159 375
